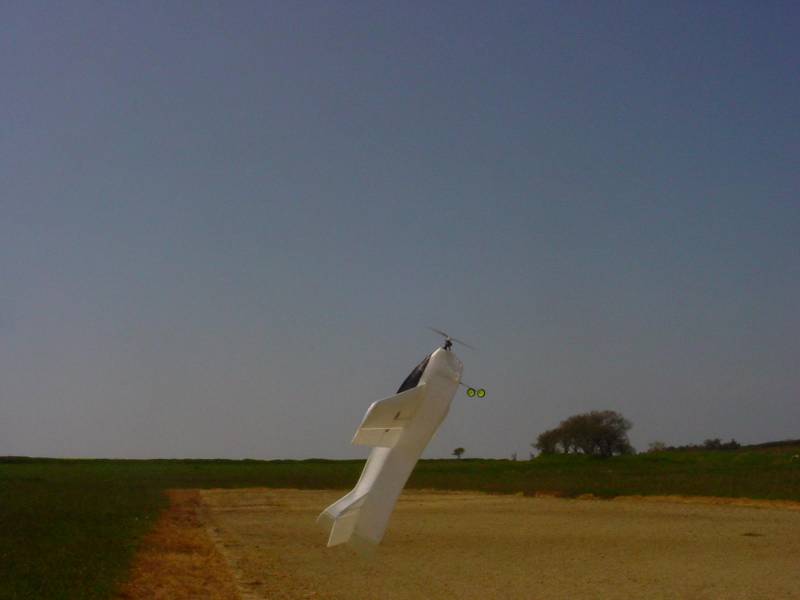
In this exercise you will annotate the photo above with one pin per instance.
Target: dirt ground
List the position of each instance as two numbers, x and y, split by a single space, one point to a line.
468 545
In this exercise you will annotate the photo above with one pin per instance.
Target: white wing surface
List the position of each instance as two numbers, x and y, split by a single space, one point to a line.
385 420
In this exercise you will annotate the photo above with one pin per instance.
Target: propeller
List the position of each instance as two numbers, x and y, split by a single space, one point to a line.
449 338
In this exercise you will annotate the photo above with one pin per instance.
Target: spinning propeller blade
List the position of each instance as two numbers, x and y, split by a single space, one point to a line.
452 339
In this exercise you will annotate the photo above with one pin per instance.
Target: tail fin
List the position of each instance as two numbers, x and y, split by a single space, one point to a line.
341 517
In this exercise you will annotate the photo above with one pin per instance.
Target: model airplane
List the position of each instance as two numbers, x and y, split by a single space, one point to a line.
398 429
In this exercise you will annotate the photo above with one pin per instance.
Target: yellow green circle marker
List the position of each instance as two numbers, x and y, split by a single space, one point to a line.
481 393
470 392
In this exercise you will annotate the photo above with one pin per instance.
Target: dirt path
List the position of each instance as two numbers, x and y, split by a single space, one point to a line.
467 545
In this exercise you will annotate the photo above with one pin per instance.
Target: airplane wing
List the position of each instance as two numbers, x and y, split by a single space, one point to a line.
384 422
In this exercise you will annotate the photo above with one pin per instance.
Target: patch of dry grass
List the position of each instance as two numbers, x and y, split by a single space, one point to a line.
178 560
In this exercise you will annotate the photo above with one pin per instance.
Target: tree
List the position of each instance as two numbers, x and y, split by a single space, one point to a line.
547 442
458 452
598 433
656 446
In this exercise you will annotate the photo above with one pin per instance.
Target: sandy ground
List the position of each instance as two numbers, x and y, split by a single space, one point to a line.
467 545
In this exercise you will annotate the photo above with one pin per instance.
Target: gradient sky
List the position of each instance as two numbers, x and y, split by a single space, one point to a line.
225 226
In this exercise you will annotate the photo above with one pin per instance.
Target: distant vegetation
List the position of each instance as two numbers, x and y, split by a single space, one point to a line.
779 445
600 433
69 528
711 444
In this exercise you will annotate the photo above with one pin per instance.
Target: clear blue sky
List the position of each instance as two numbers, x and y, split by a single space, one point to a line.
225 226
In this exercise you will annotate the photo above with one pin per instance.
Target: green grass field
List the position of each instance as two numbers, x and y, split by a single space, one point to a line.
69 528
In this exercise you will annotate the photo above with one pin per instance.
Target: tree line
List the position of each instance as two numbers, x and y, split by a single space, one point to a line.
710 444
604 433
